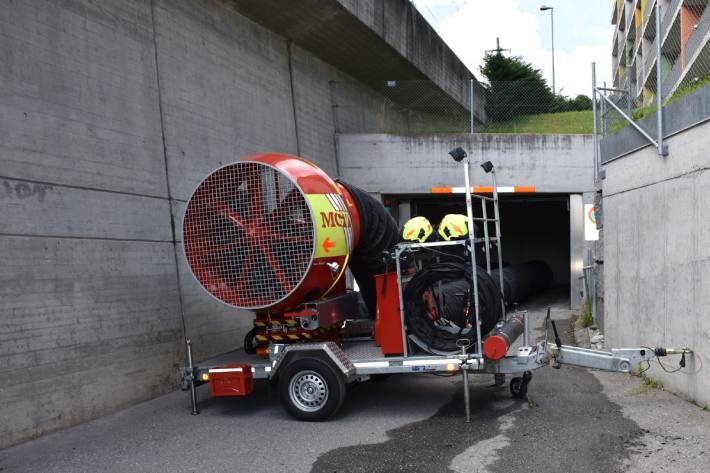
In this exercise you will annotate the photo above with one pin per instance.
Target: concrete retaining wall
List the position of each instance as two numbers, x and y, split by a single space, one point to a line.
415 164
111 113
657 255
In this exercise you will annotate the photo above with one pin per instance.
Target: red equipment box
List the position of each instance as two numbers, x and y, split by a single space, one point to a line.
388 325
231 380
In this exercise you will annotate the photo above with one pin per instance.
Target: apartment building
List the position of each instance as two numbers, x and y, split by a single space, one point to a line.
685 52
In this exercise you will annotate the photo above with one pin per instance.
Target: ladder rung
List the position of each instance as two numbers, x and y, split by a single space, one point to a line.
485 220
483 240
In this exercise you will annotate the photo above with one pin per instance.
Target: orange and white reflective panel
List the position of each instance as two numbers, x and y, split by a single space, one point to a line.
485 190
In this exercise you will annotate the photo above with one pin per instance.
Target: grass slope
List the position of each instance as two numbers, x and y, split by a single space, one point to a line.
564 123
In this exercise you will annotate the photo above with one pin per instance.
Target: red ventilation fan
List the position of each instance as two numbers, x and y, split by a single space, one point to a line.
269 231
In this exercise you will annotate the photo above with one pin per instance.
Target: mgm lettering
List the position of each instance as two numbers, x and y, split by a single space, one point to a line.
335 219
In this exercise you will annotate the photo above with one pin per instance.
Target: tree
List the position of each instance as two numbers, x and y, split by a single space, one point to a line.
580 102
515 87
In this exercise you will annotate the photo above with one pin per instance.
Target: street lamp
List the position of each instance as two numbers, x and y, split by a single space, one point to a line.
552 22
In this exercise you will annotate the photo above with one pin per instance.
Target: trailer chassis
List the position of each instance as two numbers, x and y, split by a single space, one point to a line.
357 361
311 377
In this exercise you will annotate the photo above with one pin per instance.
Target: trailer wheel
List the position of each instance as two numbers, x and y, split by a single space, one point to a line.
249 346
311 389
518 388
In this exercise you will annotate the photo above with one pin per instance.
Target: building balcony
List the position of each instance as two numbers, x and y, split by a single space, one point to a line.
697 57
649 20
649 59
631 8
670 17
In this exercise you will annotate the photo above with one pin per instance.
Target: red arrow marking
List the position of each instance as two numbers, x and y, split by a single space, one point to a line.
327 245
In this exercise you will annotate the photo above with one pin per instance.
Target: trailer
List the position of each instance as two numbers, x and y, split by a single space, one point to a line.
310 357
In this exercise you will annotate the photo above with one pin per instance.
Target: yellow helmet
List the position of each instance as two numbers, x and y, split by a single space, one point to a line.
453 226
417 229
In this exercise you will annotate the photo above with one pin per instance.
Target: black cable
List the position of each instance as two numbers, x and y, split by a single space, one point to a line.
663 367
448 255
666 369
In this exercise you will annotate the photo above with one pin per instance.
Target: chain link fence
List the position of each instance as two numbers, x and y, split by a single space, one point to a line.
425 107
531 107
404 107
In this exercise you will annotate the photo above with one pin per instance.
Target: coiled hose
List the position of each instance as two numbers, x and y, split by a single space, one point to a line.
378 234
429 330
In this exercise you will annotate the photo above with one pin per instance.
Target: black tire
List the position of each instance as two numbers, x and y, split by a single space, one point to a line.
518 388
378 378
249 347
311 389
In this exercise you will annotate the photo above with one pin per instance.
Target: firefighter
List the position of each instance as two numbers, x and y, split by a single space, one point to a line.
453 227
417 229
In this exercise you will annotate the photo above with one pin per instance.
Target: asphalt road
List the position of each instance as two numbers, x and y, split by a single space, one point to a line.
574 420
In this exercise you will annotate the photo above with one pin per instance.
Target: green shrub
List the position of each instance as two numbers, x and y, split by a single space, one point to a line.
587 320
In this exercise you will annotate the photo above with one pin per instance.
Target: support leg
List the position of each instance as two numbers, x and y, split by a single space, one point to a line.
191 368
466 395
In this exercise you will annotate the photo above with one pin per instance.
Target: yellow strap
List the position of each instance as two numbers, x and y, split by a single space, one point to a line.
340 274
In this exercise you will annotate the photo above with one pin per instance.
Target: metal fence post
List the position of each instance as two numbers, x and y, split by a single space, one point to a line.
629 108
590 280
662 149
603 113
594 114
471 105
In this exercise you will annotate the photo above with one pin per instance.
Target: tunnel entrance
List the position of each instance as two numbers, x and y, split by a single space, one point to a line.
533 226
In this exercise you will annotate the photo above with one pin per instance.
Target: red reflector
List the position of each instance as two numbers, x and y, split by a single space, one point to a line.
231 380
495 347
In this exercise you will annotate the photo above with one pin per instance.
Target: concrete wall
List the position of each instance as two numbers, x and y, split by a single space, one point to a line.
374 41
89 309
111 113
415 164
657 255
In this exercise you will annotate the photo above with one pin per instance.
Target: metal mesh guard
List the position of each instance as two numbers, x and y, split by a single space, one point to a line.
249 236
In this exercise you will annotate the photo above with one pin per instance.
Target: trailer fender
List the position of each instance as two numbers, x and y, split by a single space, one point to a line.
327 351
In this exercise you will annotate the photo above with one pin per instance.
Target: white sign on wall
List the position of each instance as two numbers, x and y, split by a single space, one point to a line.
590 223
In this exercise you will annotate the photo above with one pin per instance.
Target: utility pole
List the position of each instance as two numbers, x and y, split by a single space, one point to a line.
498 49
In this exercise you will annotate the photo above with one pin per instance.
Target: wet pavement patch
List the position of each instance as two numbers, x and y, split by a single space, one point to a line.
429 445
567 425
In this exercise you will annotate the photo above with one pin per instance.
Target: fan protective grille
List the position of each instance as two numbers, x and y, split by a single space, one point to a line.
248 234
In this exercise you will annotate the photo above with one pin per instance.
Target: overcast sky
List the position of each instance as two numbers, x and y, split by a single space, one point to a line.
583 33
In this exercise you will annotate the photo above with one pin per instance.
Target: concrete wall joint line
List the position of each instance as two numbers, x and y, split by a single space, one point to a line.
289 49
671 178
83 237
84 188
334 110
167 173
